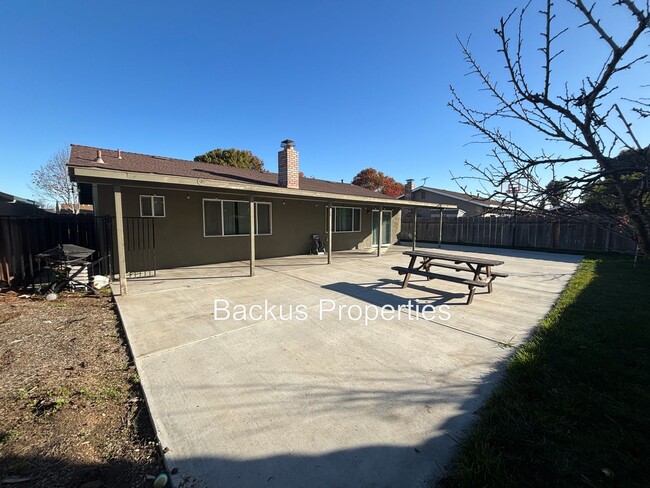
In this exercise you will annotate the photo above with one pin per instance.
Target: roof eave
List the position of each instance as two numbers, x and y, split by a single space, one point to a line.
462 199
81 173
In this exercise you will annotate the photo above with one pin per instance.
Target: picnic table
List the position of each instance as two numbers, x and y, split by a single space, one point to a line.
481 269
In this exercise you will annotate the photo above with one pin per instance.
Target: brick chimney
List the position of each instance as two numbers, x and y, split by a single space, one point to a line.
288 171
408 190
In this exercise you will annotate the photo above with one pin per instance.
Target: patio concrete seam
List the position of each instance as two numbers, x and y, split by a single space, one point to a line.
220 334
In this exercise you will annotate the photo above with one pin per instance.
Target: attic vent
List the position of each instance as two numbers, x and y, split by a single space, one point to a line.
99 159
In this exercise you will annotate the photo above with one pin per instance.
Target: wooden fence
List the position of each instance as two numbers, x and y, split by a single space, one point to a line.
22 238
524 231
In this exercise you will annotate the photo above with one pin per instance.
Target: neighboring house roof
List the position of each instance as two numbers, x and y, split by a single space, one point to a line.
83 208
84 156
13 206
482 202
6 197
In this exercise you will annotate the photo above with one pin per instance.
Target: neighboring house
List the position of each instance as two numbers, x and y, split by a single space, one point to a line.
65 208
470 206
11 205
201 211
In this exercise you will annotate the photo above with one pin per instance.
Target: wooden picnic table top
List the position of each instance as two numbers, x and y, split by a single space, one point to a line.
459 258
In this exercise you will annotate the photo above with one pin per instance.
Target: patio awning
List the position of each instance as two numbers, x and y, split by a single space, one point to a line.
132 178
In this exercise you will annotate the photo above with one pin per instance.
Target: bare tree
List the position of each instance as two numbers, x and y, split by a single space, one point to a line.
592 124
51 182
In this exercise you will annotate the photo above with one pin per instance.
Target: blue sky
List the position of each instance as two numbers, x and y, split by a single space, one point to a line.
354 83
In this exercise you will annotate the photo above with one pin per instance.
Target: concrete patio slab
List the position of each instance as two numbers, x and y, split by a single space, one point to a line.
325 401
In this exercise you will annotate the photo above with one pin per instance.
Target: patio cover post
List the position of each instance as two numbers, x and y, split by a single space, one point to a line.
252 235
119 227
440 230
381 221
415 225
329 233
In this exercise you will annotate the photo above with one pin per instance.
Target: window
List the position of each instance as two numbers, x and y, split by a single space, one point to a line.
232 218
235 218
263 219
152 206
212 218
347 219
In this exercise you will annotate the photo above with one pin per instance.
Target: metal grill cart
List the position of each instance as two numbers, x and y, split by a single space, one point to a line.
70 268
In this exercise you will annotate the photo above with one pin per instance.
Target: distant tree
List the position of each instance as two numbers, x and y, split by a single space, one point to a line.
588 123
631 176
392 188
51 182
369 178
377 181
238 158
555 193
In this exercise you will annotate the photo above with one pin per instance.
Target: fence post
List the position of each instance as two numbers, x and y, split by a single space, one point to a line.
555 234
415 226
121 249
608 233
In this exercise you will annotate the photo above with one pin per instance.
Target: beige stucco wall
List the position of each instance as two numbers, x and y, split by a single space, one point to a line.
179 235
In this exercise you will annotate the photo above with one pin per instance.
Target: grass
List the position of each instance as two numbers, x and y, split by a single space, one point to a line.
574 406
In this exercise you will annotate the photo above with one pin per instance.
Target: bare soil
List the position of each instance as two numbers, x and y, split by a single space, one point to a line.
72 413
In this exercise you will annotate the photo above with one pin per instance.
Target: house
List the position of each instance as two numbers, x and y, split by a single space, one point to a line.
13 206
200 213
465 205
66 208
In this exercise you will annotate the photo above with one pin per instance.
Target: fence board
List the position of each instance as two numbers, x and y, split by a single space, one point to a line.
22 238
535 232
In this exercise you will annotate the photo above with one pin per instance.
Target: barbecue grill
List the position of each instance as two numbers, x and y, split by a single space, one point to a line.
68 264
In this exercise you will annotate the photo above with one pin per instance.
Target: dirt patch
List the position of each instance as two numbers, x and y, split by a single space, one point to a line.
71 409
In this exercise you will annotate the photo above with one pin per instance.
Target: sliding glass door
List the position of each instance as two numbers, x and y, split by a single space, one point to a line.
381 226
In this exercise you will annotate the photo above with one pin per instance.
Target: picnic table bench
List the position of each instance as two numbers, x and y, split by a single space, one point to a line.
481 269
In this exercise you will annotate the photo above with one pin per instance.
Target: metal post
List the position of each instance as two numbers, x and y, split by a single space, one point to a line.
415 225
329 233
252 236
381 220
95 200
440 231
121 251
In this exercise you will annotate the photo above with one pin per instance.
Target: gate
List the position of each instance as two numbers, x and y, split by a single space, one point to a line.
140 246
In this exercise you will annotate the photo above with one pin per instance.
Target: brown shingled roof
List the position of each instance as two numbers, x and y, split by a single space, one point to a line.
463 196
84 156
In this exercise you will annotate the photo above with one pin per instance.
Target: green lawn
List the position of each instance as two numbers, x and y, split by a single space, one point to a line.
574 406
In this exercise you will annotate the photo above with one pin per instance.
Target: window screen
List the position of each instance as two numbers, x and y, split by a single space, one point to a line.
212 218
347 219
152 206
146 209
231 218
263 211
236 219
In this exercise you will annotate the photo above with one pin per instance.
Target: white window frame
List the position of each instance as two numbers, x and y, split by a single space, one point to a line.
257 226
220 213
151 197
346 231
223 234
